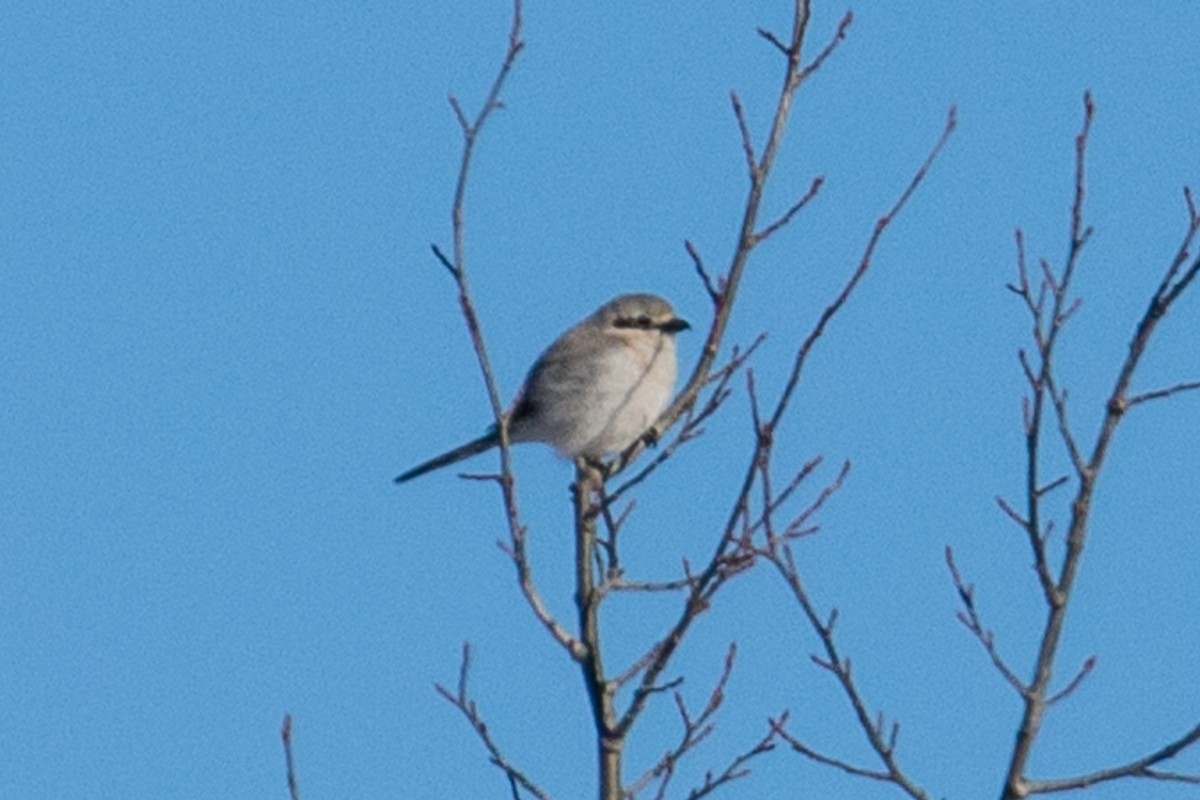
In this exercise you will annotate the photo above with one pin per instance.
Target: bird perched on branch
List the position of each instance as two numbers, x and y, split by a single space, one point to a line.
596 390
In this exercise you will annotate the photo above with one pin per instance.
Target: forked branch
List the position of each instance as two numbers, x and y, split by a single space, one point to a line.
1050 307
461 699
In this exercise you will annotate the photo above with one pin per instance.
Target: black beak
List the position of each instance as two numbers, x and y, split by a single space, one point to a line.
675 325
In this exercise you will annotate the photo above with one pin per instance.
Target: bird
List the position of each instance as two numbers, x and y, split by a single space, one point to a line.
596 390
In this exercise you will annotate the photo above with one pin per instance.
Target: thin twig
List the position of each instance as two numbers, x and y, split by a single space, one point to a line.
1057 589
457 267
698 263
864 265
767 232
760 168
737 768
739 114
1088 665
461 700
829 761
694 731
286 734
881 740
971 620
1139 768
838 37
1159 394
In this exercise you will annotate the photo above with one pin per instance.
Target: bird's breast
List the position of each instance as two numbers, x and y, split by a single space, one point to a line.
631 387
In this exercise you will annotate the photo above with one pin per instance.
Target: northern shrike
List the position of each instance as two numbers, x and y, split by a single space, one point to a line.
593 392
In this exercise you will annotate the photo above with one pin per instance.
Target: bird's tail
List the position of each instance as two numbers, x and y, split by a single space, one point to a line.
483 443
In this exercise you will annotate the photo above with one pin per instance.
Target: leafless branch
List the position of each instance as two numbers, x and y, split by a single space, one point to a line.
1058 397
782 497
461 700
1088 665
739 113
623 585
737 768
969 617
286 734
1141 768
829 761
838 38
1054 287
457 266
760 168
444 261
698 263
1159 394
694 730
724 565
774 40
767 232
735 551
516 551
881 739
515 548
797 527
864 265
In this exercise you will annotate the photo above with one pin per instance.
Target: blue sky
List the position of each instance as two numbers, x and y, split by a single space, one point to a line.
224 334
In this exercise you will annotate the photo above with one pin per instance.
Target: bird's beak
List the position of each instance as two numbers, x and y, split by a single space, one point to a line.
675 325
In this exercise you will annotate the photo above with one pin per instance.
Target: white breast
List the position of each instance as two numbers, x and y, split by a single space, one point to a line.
629 386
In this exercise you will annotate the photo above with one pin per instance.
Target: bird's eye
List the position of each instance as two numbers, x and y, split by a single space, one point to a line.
643 322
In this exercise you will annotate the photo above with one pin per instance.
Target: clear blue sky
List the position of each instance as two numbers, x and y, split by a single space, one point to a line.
223 334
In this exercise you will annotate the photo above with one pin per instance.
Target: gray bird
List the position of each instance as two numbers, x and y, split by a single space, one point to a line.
596 390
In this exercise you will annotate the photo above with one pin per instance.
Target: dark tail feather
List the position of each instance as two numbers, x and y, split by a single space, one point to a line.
483 443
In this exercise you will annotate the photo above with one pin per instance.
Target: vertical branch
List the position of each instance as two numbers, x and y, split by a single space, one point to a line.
286 734
749 234
1046 333
722 565
1058 589
600 690
457 264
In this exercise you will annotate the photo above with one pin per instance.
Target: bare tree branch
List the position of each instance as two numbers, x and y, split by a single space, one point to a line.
713 293
881 739
779 552
864 264
1134 769
461 699
598 570
1159 394
515 550
286 734
737 768
457 266
695 730
735 551
766 233
970 619
1088 665
838 37
1057 588
760 168
739 114
829 761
